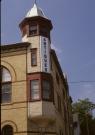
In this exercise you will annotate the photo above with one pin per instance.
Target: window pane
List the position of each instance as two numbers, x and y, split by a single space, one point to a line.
46 84
35 94
6 88
6 98
6 93
46 89
35 89
34 27
57 78
34 84
59 103
7 130
5 75
34 57
33 30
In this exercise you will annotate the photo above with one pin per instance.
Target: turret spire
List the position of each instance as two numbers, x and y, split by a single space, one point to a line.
35 2
35 11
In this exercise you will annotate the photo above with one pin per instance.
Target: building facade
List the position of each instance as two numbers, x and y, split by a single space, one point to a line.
35 93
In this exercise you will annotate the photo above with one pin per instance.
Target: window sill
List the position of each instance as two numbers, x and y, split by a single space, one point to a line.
35 100
4 104
40 100
33 35
47 100
33 65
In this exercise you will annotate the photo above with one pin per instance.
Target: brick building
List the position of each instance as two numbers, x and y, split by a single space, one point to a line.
35 94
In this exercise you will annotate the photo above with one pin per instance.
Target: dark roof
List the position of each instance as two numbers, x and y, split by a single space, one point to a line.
59 69
15 46
36 18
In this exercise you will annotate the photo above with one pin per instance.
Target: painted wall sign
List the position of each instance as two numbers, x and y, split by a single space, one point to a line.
45 54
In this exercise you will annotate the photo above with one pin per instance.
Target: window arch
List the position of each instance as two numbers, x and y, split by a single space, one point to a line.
7 130
6 85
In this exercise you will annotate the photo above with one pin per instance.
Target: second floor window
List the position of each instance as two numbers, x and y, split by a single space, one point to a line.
40 87
34 57
34 89
6 86
6 92
46 89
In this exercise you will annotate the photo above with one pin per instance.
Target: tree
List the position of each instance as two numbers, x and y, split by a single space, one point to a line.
84 109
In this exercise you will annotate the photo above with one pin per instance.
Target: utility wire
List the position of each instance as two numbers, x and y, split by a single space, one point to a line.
76 82
81 81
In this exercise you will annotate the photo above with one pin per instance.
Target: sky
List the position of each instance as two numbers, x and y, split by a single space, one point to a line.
73 37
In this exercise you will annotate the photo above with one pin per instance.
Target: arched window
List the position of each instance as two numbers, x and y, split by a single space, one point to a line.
6 86
7 130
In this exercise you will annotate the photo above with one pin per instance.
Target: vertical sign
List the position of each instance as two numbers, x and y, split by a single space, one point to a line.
45 54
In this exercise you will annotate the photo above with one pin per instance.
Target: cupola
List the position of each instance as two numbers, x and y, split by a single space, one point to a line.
35 23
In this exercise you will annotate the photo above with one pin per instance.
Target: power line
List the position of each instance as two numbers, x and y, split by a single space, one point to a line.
75 82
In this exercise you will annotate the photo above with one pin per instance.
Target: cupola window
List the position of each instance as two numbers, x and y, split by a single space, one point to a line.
44 32
32 30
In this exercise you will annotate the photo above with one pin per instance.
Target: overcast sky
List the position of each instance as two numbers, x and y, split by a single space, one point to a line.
73 37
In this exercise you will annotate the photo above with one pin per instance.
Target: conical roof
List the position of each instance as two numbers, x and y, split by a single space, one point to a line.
35 11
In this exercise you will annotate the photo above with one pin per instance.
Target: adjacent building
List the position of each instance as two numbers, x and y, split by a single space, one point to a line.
35 93
76 124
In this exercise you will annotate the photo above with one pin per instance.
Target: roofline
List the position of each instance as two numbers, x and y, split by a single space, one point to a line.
53 53
15 46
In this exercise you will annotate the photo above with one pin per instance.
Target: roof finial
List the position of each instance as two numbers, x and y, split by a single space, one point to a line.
35 2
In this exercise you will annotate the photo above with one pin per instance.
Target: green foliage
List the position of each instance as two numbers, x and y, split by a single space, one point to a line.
84 109
83 106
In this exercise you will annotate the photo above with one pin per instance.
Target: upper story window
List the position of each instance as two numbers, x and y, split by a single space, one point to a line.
34 89
63 91
65 113
51 63
40 87
6 86
46 89
34 57
59 103
61 133
7 130
57 78
32 30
